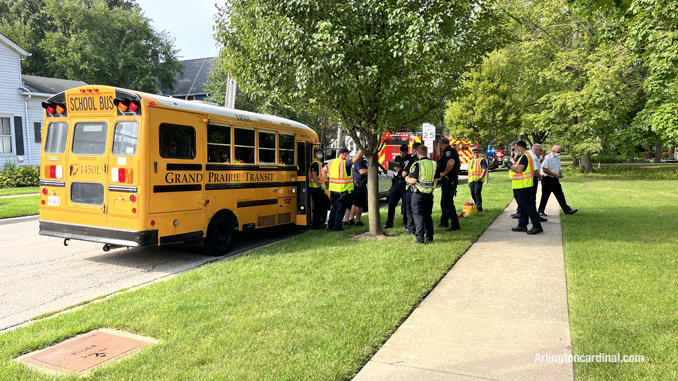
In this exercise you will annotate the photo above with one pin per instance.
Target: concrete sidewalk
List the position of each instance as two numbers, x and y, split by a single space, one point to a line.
502 303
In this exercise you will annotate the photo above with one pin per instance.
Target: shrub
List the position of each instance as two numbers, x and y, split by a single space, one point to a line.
13 176
626 171
601 158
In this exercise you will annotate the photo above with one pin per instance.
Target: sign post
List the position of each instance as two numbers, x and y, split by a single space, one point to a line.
428 135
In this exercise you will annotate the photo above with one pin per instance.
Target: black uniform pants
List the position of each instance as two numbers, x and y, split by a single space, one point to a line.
447 204
319 207
533 192
523 197
533 196
422 210
408 206
476 193
552 185
397 194
339 206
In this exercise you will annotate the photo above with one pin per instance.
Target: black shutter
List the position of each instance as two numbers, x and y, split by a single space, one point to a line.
37 131
19 135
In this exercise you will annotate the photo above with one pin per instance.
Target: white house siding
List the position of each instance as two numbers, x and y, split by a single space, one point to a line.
11 101
36 114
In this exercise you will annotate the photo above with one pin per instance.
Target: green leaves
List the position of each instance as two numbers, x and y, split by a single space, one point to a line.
380 65
108 42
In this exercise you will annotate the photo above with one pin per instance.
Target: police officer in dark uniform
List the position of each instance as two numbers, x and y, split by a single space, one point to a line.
411 228
422 182
448 172
398 188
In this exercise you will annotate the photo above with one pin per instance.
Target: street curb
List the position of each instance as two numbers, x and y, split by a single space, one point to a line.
17 220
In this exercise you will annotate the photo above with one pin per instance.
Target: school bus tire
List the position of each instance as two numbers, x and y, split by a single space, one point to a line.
220 236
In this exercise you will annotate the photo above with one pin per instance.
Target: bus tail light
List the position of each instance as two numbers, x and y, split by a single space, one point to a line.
44 191
122 175
54 172
133 198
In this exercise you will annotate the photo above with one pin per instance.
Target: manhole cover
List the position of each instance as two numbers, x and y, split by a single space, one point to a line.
85 352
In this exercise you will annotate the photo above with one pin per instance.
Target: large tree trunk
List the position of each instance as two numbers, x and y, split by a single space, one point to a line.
586 162
373 194
575 161
658 153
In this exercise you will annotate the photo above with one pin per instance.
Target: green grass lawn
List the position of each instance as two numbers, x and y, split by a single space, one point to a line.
620 257
313 307
19 206
13 191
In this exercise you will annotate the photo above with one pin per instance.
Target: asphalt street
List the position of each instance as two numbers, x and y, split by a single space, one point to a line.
39 274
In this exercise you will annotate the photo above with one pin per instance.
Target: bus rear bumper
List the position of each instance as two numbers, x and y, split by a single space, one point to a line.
102 235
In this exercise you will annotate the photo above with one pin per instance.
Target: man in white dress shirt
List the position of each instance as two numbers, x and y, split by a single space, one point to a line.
535 152
551 174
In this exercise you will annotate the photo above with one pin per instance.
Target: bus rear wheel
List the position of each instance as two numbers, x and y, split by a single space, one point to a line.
219 237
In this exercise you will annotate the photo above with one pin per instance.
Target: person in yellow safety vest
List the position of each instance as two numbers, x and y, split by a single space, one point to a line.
317 187
422 180
341 186
476 175
512 160
522 180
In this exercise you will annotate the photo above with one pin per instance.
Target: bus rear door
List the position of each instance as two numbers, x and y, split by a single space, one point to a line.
87 170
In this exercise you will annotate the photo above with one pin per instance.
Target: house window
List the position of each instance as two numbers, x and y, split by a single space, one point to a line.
5 136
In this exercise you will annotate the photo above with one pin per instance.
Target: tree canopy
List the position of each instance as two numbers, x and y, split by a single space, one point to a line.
108 42
486 108
377 65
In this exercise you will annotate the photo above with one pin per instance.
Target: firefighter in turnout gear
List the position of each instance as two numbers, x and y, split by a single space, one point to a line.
422 182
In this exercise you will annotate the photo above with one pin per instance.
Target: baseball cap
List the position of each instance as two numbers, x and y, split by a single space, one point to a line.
513 143
476 149
316 149
404 148
343 150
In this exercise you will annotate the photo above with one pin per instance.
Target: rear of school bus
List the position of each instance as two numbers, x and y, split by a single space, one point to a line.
91 167
132 169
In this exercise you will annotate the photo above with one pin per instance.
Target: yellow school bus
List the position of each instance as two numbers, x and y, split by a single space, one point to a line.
125 168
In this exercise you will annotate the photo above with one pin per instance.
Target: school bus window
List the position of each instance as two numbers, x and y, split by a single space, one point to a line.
177 142
266 147
87 193
89 138
125 138
56 137
218 144
286 148
244 146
